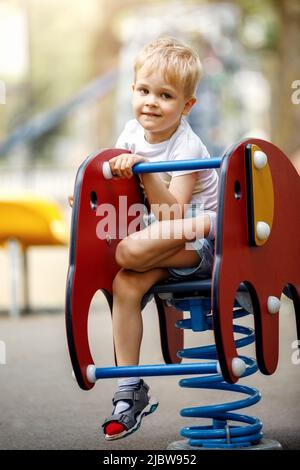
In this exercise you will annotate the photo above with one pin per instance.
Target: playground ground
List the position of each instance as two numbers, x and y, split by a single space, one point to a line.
43 408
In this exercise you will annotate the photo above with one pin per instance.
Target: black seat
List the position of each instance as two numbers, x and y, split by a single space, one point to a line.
192 286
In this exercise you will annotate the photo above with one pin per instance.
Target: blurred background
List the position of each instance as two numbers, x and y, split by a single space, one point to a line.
65 76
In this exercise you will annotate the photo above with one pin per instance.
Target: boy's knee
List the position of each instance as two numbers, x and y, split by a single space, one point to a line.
125 284
126 254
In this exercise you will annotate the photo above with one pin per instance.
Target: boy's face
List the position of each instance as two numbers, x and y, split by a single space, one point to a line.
158 106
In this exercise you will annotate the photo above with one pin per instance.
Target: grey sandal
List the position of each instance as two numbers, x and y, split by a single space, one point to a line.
140 405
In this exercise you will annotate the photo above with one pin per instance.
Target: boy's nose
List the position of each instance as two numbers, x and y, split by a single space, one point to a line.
151 100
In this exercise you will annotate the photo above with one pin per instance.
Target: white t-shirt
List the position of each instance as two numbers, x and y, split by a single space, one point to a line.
184 144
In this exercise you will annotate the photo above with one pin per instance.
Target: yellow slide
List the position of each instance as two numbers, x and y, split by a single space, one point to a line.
31 220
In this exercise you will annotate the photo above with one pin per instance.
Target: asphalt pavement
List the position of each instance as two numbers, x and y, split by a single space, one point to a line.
43 408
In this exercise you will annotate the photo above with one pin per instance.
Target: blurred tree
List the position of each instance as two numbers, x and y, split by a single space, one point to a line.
105 53
286 118
280 60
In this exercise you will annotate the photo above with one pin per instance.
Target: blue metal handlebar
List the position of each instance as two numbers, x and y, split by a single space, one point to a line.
178 165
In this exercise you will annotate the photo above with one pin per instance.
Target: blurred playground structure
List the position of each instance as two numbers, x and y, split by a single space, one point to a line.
62 103
28 221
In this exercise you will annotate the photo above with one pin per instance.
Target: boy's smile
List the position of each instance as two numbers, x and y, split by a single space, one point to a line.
151 114
158 105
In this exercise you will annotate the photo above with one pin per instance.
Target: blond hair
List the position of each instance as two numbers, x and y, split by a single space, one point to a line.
180 63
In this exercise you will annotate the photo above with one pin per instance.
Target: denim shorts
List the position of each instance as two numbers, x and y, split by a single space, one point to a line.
203 246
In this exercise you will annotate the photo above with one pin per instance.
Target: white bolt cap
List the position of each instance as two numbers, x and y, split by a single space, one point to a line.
165 295
260 159
106 171
91 373
273 304
238 366
263 230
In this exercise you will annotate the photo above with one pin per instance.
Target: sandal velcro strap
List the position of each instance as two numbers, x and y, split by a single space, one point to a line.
125 395
131 395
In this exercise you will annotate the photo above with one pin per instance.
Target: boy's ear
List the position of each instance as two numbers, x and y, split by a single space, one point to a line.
188 105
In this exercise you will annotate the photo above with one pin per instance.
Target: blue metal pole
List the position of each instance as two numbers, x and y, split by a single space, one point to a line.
178 165
155 370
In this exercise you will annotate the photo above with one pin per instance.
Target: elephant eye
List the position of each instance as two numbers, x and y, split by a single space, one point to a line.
93 200
237 190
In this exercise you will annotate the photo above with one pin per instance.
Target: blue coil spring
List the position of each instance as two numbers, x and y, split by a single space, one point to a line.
220 434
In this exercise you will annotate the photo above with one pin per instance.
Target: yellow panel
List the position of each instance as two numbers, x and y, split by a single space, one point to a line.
32 221
263 195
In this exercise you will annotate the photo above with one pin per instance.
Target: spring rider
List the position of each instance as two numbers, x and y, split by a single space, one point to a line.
259 196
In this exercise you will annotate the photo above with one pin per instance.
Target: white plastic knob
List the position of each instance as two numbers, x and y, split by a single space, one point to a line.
273 304
238 366
165 295
91 373
262 230
260 159
73 375
106 171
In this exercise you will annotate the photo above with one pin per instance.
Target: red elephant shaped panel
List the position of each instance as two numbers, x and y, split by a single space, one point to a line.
92 264
265 269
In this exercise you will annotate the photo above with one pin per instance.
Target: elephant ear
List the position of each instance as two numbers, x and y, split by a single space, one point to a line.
92 264
266 261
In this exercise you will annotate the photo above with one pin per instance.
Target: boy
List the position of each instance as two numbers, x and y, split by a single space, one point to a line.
167 73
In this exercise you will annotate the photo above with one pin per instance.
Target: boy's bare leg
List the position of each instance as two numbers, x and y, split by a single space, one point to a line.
128 290
148 248
180 258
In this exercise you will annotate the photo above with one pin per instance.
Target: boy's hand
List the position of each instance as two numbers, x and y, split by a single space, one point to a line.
121 166
70 200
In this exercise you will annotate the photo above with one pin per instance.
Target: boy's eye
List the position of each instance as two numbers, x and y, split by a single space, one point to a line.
166 96
143 91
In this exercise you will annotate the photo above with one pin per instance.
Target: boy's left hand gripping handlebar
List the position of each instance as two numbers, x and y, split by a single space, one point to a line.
137 168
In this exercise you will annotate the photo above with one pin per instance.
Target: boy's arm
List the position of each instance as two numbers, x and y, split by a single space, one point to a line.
179 193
